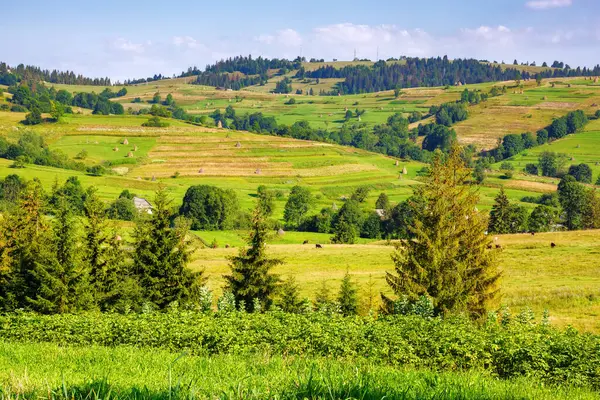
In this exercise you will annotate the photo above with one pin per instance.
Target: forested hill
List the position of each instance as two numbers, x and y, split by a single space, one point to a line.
11 75
418 72
239 72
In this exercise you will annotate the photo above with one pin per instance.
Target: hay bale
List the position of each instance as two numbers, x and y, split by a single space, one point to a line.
404 171
125 142
135 148
115 148
238 145
334 207
397 163
130 154
201 171
281 232
153 178
257 172
219 125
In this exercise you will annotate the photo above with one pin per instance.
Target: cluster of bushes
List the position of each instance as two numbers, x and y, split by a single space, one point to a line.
505 347
513 144
392 138
449 113
31 148
554 165
574 206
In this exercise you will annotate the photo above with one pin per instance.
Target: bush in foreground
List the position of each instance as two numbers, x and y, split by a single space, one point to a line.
505 349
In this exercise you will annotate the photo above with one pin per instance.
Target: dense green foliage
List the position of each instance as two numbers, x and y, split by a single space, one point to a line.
209 207
448 259
515 347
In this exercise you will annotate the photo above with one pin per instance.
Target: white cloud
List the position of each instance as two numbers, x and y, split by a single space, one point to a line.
286 37
128 46
185 41
546 4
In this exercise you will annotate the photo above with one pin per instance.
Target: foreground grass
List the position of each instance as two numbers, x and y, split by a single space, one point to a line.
51 371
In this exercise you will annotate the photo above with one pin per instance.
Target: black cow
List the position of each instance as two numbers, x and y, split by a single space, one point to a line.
318 246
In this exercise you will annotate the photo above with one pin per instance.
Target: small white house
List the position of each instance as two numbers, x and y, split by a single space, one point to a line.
142 205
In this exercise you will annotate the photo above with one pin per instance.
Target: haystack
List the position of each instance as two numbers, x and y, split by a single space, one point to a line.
404 171
125 142
153 178
130 154
281 232
201 171
397 163
135 148
257 172
238 145
219 125
116 149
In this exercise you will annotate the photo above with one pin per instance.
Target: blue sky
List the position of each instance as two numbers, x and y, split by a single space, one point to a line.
129 39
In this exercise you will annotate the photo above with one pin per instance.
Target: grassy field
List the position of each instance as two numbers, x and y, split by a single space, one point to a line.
59 372
532 277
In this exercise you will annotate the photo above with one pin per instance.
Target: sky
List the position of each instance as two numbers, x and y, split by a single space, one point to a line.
133 39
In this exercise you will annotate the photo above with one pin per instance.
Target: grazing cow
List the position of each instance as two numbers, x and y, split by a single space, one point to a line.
532 233
318 246
489 246
498 246
305 242
553 245
227 246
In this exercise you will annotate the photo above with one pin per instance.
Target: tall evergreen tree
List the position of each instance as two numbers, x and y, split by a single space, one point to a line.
447 260
21 231
251 276
111 277
500 214
160 257
60 276
348 296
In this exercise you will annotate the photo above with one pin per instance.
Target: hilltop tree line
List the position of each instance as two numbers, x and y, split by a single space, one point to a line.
36 98
12 75
418 72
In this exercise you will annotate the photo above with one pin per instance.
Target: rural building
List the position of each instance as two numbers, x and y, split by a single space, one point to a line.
142 205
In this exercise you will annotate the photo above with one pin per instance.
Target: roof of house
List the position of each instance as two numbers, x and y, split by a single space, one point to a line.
141 203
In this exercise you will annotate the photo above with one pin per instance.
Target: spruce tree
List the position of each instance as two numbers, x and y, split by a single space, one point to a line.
251 276
322 297
21 230
447 259
112 282
160 257
500 214
289 300
348 296
61 280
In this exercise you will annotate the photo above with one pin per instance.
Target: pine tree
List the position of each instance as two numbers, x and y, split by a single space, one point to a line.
447 260
60 277
161 255
290 301
20 233
500 214
112 282
348 296
322 297
251 276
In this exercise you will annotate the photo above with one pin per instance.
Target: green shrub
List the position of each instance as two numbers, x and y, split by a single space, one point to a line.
155 122
517 347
